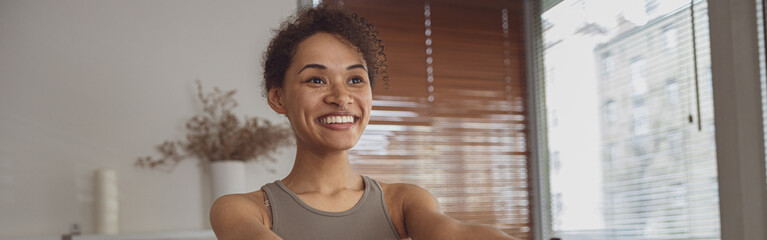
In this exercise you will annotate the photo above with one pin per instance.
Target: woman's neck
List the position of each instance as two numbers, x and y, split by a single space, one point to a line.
323 172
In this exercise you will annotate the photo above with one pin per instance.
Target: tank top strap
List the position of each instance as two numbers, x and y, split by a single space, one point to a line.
380 201
273 198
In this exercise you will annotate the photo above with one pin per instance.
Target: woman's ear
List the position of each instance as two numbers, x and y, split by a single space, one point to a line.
276 100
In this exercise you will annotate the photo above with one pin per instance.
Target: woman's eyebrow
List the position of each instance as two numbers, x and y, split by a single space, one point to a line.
323 67
356 66
313 65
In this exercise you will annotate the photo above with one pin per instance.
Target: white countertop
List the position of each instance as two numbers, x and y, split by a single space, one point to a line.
181 235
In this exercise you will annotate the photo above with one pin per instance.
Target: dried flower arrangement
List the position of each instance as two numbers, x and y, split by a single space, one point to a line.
218 135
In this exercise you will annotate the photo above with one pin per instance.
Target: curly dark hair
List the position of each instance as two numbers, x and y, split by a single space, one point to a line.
326 18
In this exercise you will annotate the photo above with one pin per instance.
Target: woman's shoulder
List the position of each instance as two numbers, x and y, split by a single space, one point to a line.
404 191
399 187
241 216
240 206
250 199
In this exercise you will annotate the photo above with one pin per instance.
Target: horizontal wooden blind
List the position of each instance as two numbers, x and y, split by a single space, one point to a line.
453 119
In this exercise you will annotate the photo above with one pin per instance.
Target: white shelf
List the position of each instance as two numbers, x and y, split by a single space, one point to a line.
185 235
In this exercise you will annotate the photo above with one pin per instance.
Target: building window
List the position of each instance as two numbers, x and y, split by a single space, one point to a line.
611 111
640 114
608 64
672 91
668 40
613 153
638 81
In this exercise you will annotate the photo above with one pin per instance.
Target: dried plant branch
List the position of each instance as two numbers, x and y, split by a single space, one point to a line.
217 134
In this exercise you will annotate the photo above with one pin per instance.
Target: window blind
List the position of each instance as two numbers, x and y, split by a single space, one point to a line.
625 87
453 118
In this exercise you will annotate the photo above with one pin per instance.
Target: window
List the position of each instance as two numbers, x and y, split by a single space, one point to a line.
612 153
640 114
608 64
638 82
669 38
453 119
672 91
611 111
652 176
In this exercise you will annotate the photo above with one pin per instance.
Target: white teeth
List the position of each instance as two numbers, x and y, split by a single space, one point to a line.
337 119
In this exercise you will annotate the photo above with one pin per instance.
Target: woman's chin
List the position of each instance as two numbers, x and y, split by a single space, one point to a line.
340 145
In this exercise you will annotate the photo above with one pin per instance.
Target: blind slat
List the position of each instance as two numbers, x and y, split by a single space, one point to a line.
461 135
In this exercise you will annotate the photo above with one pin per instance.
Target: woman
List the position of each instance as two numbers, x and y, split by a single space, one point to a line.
319 72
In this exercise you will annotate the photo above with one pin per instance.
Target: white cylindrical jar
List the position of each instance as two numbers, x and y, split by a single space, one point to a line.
107 202
227 177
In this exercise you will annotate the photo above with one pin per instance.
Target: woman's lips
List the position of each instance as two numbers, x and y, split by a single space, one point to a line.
338 126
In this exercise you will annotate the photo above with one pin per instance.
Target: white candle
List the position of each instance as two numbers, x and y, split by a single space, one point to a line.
107 204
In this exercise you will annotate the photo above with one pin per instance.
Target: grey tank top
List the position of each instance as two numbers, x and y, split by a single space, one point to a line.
294 219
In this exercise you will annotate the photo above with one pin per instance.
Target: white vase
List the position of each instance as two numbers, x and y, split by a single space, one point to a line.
227 177
107 202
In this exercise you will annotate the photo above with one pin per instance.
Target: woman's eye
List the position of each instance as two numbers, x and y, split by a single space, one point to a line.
315 80
356 80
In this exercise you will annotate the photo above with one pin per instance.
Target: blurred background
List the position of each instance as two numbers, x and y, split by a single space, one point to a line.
96 84
578 119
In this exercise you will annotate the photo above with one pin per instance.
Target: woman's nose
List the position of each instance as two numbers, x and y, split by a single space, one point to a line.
339 96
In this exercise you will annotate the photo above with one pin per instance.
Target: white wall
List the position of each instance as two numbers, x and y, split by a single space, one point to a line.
96 84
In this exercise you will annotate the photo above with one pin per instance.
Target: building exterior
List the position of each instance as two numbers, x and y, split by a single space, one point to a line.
658 167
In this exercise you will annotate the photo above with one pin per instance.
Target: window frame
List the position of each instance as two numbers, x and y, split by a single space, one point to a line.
738 118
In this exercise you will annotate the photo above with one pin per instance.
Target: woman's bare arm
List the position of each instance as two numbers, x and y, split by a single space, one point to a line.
238 217
424 220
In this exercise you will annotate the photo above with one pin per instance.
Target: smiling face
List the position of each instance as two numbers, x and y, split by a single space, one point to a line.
326 94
